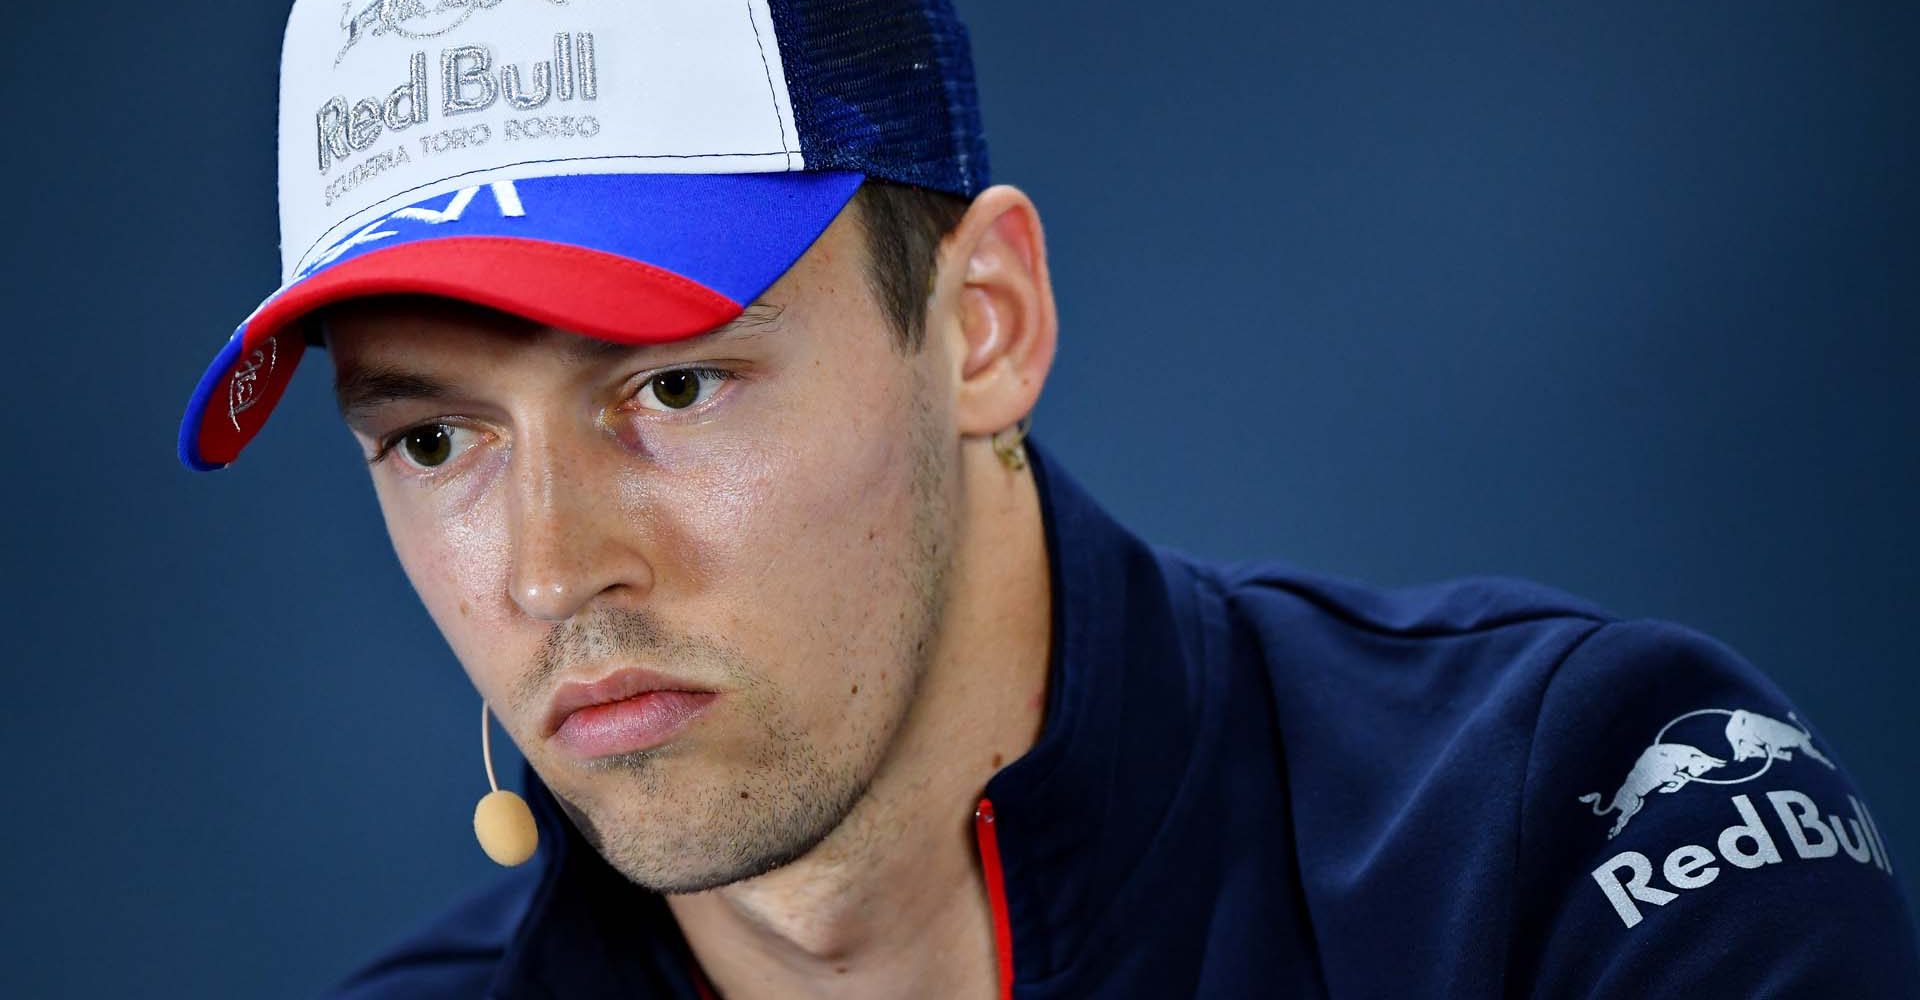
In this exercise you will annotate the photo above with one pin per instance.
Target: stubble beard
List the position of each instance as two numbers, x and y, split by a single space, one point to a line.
792 796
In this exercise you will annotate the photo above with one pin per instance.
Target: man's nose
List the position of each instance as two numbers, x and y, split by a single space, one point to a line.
572 541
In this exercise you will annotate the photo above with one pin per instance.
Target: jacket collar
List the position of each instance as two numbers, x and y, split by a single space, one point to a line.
1076 814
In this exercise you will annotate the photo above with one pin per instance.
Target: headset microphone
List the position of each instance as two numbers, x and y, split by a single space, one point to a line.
502 821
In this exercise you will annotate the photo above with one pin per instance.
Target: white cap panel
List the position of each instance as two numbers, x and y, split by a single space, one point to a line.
385 103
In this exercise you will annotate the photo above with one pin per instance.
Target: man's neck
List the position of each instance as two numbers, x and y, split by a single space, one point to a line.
892 903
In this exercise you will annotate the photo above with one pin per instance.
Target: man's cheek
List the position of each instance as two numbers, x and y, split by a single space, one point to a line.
459 571
732 535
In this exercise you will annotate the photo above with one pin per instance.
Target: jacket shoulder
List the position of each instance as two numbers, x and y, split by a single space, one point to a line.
456 953
1685 830
1448 607
1594 798
1410 665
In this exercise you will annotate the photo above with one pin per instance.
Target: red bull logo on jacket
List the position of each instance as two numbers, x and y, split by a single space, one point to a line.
1628 878
1754 743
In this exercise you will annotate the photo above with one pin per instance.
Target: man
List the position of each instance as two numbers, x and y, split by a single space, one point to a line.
691 350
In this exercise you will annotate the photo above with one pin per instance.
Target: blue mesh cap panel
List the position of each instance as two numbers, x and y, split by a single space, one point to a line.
884 87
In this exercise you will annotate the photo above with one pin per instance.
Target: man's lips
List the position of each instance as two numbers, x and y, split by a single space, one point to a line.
619 686
626 711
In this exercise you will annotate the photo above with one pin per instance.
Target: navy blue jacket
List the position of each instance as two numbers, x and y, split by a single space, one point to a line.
1256 782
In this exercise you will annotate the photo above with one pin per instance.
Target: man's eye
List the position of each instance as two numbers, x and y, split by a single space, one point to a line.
429 446
681 388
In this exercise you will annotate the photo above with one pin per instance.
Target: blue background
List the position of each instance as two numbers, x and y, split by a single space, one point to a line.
1621 299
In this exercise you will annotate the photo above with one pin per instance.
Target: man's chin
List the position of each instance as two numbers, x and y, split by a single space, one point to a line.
686 883
694 870
725 850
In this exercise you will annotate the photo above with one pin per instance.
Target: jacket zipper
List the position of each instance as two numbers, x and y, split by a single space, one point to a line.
989 839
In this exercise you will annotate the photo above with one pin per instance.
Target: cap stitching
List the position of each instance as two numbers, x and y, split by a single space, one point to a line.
772 93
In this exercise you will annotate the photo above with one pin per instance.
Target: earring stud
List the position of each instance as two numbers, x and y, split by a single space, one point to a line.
1010 444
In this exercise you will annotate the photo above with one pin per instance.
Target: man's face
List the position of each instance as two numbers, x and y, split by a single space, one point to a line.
761 515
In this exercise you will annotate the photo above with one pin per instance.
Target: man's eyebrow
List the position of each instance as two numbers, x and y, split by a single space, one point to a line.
361 389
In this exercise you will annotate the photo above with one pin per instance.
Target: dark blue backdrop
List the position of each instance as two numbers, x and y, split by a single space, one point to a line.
1621 299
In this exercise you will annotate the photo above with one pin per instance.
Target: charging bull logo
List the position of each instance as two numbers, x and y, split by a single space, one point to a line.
1667 766
1662 767
1769 739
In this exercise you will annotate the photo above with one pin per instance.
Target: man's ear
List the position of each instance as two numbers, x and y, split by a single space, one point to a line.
994 311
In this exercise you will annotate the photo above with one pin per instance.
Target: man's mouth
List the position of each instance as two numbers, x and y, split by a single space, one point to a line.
629 710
